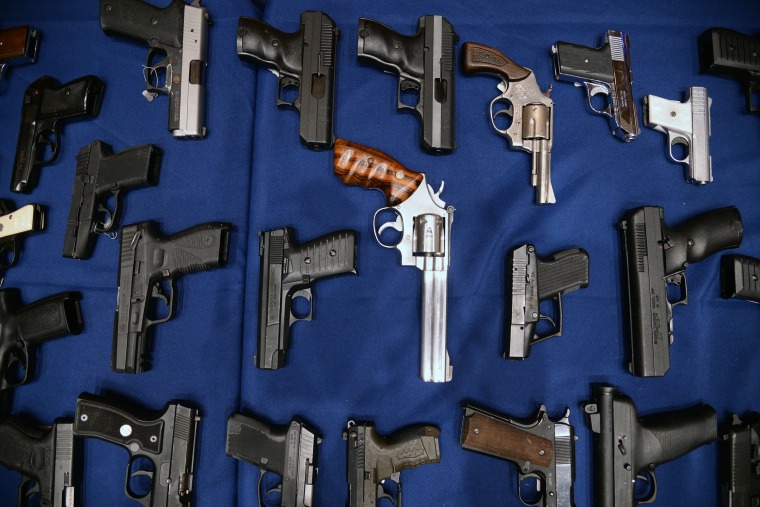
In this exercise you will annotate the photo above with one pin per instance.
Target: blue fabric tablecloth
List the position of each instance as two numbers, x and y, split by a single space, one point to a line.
359 357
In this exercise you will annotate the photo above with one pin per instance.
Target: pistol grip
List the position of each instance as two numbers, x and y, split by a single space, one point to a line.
383 47
477 58
732 54
271 47
139 20
739 275
573 62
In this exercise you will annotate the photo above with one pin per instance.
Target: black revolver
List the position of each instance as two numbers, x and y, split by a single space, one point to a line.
289 451
47 458
534 280
425 64
18 45
287 271
166 439
101 173
657 256
146 259
542 449
605 70
374 459
180 31
627 448
14 222
22 328
742 462
304 59
46 104
728 53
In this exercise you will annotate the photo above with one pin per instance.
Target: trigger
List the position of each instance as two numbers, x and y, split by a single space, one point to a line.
397 225
382 494
107 223
156 293
142 473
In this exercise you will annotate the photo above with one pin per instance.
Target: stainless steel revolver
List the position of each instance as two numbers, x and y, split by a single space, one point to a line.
424 223
531 110
686 123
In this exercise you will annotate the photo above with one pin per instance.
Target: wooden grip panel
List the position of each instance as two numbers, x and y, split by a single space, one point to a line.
355 164
13 42
486 435
479 58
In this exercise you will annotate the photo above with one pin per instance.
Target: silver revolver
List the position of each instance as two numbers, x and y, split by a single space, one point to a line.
686 123
531 110
424 223
604 70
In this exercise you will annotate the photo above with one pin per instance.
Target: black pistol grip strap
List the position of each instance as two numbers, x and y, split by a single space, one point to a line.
53 317
563 272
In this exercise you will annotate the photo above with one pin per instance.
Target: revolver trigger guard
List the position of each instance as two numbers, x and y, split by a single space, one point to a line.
508 111
593 89
678 139
306 294
397 225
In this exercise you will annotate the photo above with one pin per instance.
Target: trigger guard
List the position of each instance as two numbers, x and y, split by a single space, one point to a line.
105 226
53 144
509 111
4 248
302 293
14 359
530 475
652 496
397 225
152 70
678 139
382 493
593 89
286 82
405 84
27 491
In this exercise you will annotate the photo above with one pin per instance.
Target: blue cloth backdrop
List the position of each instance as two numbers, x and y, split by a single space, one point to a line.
358 359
